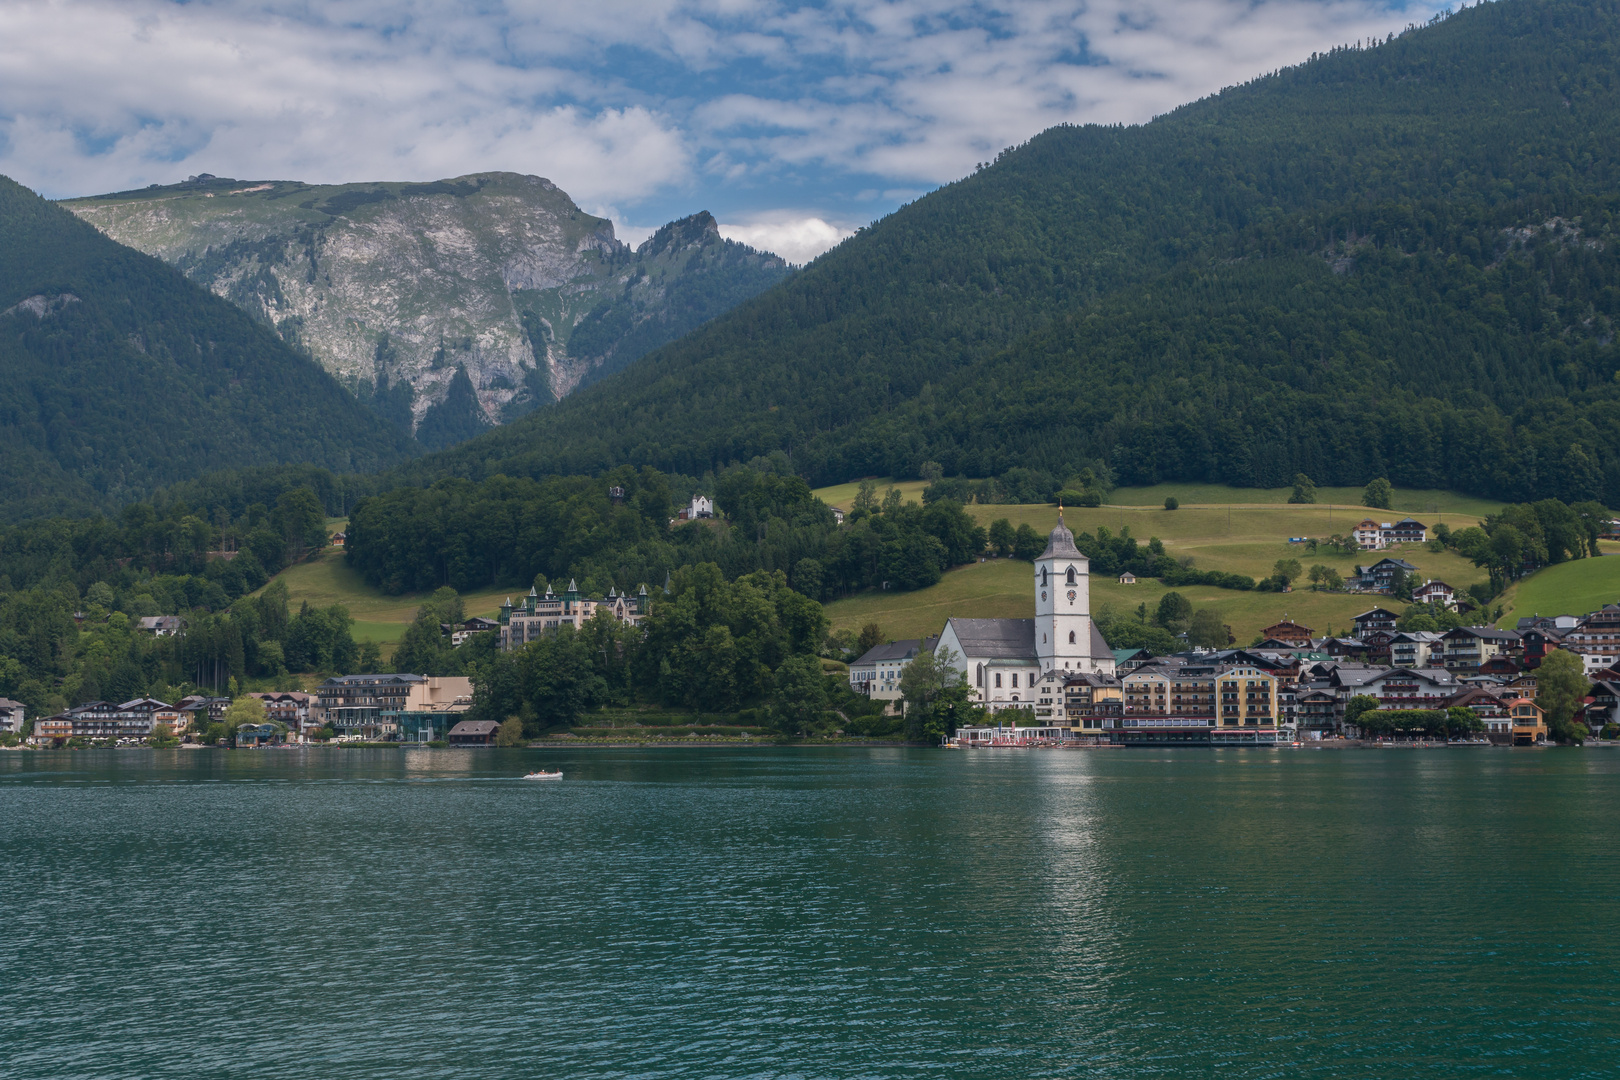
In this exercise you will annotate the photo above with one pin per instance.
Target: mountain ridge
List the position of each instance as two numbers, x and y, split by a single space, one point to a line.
395 287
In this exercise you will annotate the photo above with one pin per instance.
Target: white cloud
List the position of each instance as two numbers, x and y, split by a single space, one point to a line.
715 102
796 239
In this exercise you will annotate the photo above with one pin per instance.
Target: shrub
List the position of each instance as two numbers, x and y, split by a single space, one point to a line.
1172 503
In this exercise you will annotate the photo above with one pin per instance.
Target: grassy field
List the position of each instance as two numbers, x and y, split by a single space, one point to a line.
1425 505
843 495
1242 539
326 580
1572 588
1004 588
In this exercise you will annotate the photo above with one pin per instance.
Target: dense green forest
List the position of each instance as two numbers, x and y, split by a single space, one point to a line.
1392 260
118 376
520 531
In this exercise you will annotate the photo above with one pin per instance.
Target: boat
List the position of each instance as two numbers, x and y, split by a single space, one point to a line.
543 775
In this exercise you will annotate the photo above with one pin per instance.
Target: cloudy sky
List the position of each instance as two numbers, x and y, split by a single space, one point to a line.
793 123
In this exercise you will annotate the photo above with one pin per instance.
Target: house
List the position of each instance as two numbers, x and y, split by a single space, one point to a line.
1346 648
1404 531
384 706
1022 662
1127 578
1376 619
1548 622
12 716
701 506
877 673
1288 632
1503 665
1602 704
1368 534
338 539
291 708
1528 722
461 631
1380 575
1538 641
838 514
1598 632
138 718
473 733
1435 592
1129 659
1092 703
159 625
52 730
1417 649
201 710
539 615
1409 688
1467 647
354 704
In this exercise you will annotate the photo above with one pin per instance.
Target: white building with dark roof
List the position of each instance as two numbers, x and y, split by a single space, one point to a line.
1021 663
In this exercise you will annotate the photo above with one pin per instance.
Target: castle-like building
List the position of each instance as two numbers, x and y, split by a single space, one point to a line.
1020 663
536 615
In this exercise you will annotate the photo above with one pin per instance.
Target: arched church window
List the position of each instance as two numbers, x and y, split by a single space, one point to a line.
978 678
1071 637
1071 575
1043 577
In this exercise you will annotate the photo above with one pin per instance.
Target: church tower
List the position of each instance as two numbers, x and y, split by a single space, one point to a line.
1063 605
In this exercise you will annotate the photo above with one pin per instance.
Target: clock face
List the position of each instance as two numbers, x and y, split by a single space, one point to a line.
1043 594
1071 596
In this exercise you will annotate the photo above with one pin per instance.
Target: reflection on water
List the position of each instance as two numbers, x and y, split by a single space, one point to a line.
791 912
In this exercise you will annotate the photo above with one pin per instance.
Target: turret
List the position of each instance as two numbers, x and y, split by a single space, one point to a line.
506 612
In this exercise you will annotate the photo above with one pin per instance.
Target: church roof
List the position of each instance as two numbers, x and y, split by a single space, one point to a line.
1010 639
1060 544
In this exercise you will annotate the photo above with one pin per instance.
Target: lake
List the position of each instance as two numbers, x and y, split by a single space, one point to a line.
798 912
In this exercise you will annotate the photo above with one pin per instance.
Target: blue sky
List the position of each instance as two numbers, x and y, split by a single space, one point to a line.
793 123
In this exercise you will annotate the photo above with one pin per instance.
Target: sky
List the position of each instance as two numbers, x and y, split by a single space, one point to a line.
793 123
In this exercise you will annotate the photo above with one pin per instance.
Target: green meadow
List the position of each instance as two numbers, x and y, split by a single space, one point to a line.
1220 532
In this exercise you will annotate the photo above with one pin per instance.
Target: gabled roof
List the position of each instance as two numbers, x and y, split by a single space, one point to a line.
904 649
1402 563
1007 639
1375 612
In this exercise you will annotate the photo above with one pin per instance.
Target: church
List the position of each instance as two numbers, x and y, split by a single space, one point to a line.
1021 663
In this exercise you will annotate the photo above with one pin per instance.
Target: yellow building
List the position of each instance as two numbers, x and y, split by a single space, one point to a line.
1248 697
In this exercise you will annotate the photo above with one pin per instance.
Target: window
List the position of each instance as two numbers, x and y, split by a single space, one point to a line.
998 680
1071 575
979 675
1015 679
1071 637
1043 577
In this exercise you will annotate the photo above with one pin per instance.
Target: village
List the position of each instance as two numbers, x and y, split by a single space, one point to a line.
1053 680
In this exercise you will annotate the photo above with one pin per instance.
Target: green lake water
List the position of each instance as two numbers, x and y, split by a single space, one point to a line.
810 913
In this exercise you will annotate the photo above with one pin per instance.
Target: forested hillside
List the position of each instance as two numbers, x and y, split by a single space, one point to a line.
118 376
1398 259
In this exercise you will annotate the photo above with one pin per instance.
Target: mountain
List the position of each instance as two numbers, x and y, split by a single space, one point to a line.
1396 259
118 376
414 294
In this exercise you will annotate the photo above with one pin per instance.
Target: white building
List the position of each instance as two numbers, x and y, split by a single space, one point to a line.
11 716
877 673
1021 663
